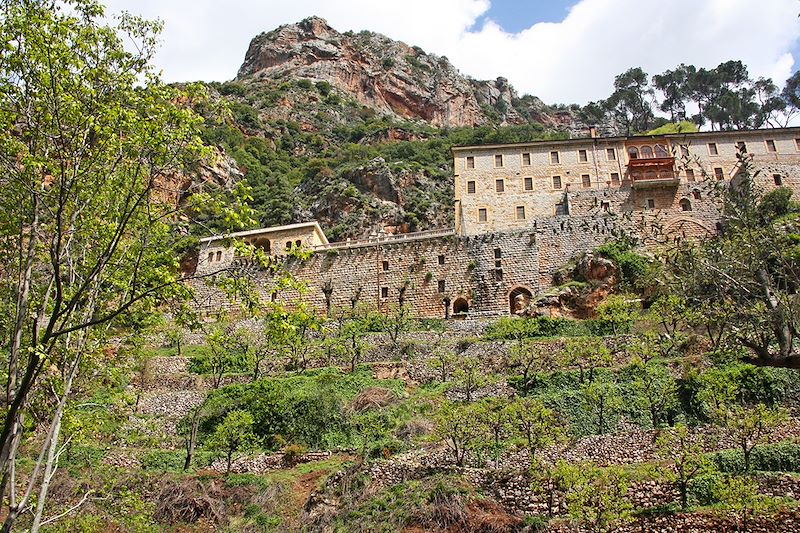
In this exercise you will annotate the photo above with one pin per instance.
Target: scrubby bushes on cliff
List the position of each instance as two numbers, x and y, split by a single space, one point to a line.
307 408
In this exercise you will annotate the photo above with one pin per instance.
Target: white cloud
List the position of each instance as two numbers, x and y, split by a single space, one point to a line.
574 60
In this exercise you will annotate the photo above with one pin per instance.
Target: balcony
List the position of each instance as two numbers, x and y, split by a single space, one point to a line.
643 177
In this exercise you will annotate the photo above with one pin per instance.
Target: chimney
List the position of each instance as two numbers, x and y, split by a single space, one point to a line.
593 132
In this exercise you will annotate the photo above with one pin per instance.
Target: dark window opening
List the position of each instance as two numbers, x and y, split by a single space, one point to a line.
471 187
460 307
499 185
526 159
441 259
219 256
685 204
586 181
498 253
777 179
528 184
441 285
386 266
384 292
470 161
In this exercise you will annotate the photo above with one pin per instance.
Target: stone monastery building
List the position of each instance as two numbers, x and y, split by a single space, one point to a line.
522 211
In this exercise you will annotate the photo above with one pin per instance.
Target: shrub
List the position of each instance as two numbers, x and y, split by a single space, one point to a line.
293 453
779 457
523 328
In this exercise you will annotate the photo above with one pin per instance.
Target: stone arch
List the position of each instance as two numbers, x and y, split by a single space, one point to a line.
687 227
460 306
518 300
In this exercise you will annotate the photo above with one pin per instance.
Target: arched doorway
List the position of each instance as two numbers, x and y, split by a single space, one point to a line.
518 300
460 306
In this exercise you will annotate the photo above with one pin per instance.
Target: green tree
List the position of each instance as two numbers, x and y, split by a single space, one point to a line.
233 434
494 418
738 497
89 139
595 496
601 400
630 105
617 313
684 451
655 391
674 316
747 425
457 427
751 272
535 426
531 357
470 376
587 354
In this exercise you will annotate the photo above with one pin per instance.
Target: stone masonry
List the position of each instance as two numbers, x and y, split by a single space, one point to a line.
656 188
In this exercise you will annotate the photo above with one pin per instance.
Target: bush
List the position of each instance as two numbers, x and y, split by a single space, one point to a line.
632 266
702 489
163 460
525 328
779 457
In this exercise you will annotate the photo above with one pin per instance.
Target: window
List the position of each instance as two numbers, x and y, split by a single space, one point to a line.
777 179
498 160
661 151
219 256
386 266
441 259
741 147
298 243
288 245
797 144
582 156
685 204
633 153
611 154
482 214
647 152
615 178
556 182
586 181
520 212
771 146
498 274
651 203
441 285
470 187
210 256
498 253
526 159
554 158
712 149
605 206
718 173
689 174
470 163
498 264
696 194
499 185
528 184
384 292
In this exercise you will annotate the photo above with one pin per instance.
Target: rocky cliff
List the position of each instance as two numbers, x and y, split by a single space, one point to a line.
388 76
355 129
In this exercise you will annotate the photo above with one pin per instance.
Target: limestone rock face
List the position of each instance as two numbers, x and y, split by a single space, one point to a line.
388 76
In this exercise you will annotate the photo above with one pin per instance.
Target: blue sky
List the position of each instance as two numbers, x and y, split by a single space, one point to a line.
573 58
517 15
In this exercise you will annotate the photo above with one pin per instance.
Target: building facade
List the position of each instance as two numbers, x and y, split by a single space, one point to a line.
522 212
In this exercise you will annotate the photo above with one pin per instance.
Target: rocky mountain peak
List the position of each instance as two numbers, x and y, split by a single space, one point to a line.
388 76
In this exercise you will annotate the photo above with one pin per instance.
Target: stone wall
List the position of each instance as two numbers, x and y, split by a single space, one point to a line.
487 264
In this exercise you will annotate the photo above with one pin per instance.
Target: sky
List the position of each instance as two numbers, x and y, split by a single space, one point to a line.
563 51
